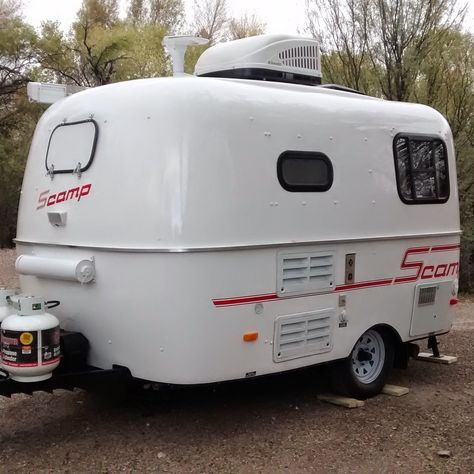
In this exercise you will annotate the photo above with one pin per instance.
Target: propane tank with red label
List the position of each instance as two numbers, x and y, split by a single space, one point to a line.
6 309
30 341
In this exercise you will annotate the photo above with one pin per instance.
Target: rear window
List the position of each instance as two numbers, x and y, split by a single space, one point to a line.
304 171
71 147
421 165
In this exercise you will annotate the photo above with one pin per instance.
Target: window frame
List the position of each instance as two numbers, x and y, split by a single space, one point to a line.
420 137
305 188
93 149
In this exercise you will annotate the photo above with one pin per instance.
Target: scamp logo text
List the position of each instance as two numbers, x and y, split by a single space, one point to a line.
45 199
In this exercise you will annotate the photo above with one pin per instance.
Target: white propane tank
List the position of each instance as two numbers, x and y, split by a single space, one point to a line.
30 341
6 309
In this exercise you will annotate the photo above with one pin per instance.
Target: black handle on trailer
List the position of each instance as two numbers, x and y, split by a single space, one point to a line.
52 304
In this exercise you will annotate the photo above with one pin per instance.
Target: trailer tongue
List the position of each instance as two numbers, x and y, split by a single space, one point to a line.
32 347
87 378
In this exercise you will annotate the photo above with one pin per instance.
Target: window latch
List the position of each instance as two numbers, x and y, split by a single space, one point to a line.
78 170
50 172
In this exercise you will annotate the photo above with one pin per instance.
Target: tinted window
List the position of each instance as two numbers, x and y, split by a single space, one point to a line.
304 171
72 147
422 169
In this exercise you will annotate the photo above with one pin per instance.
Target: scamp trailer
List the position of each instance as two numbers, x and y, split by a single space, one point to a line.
239 222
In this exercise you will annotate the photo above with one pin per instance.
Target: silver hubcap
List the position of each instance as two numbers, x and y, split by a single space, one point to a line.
368 357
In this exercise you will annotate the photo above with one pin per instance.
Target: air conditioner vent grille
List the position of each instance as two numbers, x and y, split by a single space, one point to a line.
302 57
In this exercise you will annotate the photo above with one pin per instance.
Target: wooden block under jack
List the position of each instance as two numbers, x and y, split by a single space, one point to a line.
395 390
341 401
442 359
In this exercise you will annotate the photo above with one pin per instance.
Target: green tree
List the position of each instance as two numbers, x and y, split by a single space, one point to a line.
104 13
17 116
210 19
446 82
164 13
94 49
137 12
391 37
245 26
145 54
409 51
17 56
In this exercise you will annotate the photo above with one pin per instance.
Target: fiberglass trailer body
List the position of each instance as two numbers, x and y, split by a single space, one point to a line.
203 229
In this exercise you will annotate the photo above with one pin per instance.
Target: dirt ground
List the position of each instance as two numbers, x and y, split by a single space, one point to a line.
274 424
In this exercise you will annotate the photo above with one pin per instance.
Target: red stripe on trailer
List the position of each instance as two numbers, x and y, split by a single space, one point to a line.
245 299
404 279
364 284
417 250
416 265
445 248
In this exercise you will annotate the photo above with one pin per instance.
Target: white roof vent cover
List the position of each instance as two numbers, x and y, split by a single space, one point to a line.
280 58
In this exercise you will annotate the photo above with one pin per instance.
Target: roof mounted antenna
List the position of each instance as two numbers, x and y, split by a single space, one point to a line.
176 47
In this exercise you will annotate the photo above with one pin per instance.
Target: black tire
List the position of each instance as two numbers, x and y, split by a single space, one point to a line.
361 375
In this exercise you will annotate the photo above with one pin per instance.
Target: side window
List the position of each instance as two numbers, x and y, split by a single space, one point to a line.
304 171
71 147
421 165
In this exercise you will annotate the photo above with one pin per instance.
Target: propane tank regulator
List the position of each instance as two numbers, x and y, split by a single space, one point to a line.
30 340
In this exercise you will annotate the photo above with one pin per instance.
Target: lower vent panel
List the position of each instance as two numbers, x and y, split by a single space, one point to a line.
303 334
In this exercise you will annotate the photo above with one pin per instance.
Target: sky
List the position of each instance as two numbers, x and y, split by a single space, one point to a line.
280 16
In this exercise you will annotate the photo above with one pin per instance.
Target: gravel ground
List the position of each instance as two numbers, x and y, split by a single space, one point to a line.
8 277
275 424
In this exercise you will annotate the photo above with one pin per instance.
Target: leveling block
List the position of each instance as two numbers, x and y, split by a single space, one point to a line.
442 359
341 401
395 390
348 402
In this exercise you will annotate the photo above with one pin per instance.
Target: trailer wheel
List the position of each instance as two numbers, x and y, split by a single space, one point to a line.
364 372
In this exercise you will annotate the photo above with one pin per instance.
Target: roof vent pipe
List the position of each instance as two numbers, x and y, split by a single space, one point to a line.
176 47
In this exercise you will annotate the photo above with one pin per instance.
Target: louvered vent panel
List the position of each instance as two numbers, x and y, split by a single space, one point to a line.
302 57
303 334
305 272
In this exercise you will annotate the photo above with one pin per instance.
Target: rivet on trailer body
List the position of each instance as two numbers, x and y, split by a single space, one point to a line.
258 308
303 203
267 134
299 136
251 118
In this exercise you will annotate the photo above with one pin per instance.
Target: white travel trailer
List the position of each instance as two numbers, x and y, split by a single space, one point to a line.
243 222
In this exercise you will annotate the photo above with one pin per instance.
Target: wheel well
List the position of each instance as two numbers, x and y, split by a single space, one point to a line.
397 340
401 355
